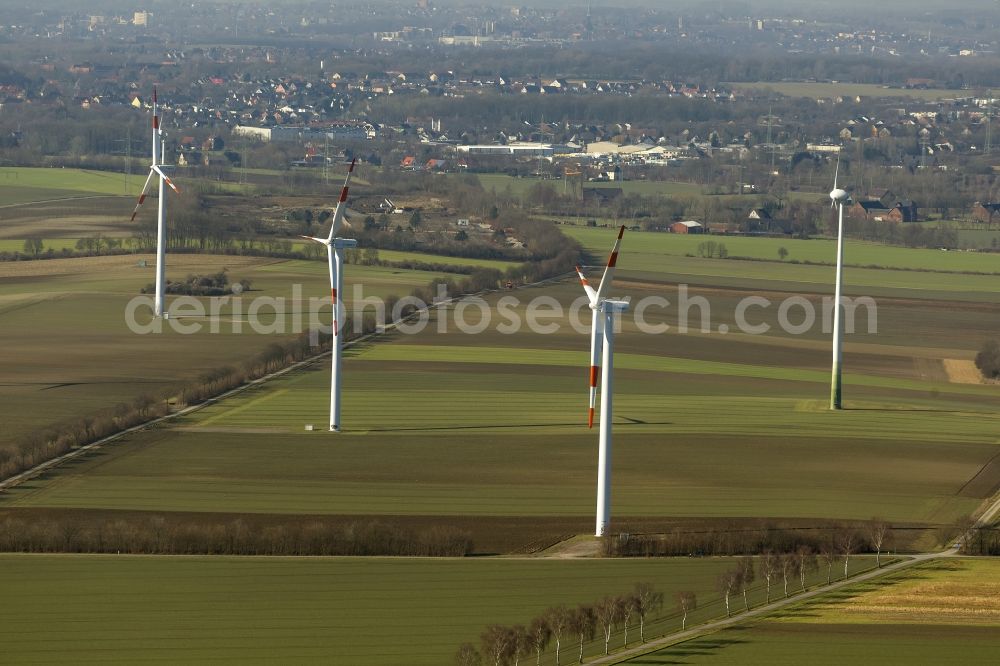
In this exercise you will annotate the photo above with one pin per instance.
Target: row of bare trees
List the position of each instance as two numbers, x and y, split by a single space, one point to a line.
160 535
563 627
773 567
734 538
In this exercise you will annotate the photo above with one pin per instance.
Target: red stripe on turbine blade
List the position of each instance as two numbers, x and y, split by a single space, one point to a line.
142 197
156 122
333 295
613 260
343 195
154 95
351 170
593 376
133 216
621 232
590 418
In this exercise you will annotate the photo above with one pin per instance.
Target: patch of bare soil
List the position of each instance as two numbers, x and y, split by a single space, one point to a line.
963 372
577 546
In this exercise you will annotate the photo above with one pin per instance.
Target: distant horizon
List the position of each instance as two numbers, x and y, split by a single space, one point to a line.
748 7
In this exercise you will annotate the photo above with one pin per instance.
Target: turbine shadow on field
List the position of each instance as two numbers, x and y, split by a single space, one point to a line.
511 425
905 409
695 648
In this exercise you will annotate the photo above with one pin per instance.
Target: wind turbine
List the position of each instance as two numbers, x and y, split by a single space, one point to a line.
156 171
837 199
602 337
335 258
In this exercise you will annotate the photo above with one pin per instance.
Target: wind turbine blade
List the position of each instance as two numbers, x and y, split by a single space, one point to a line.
142 195
333 279
609 270
595 361
338 214
836 192
591 292
166 179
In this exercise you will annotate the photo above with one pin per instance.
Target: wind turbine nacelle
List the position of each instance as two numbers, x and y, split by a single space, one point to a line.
344 243
838 196
616 306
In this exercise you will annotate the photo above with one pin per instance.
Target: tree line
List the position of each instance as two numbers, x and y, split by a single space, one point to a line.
157 535
564 628
733 539
981 540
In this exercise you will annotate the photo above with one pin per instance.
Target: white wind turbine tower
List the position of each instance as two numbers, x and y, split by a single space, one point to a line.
335 258
156 171
605 311
837 199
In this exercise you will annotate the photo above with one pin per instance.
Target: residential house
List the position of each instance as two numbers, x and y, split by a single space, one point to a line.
986 212
877 211
688 227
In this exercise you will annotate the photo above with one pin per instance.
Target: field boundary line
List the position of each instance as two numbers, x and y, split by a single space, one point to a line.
29 474
45 201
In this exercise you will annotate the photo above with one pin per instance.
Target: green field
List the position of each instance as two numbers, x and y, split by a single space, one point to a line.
487 432
19 185
66 341
906 448
17 244
96 609
646 249
817 90
940 612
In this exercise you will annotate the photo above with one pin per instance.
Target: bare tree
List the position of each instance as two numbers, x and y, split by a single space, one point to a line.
768 566
629 608
583 624
520 642
847 544
648 600
829 555
607 611
806 563
686 602
727 583
878 529
539 635
746 578
468 655
787 566
559 619
496 641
